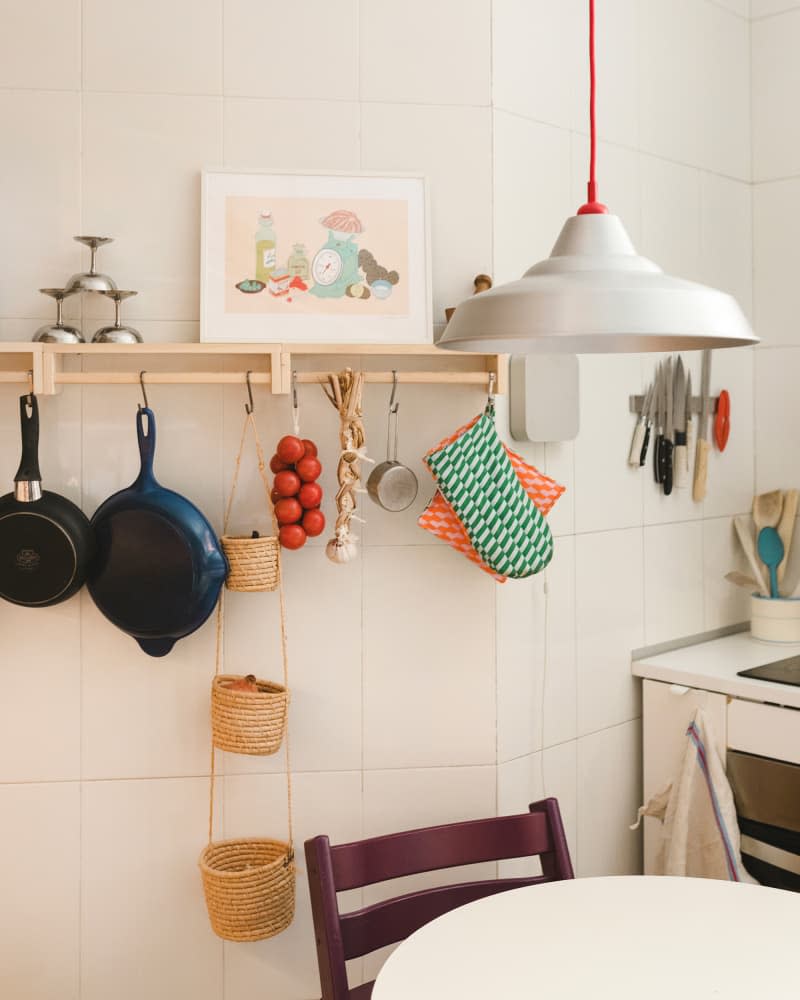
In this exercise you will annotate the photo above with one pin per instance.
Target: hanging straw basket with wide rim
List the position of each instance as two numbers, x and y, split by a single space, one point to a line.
248 722
254 561
249 887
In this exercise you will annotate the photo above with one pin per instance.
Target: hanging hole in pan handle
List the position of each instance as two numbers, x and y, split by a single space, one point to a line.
250 406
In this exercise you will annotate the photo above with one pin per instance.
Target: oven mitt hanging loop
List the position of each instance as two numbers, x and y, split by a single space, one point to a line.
476 477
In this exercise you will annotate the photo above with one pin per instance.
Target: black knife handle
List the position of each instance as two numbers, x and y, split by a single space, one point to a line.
645 445
680 437
666 458
658 472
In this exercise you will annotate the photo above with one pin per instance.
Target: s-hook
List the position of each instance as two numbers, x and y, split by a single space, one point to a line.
490 397
144 391
249 407
393 405
295 405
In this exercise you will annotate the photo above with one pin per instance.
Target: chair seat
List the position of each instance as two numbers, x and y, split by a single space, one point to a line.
362 992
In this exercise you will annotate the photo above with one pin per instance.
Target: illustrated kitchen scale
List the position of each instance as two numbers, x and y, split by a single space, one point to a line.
781 671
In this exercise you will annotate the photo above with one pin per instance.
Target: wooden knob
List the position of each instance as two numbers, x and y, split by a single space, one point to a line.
482 282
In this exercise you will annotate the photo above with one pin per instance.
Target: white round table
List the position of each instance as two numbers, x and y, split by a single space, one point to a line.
627 938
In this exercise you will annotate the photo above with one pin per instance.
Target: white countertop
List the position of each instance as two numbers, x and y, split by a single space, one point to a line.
713 665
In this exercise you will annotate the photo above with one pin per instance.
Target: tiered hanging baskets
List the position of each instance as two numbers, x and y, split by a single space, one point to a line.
249 883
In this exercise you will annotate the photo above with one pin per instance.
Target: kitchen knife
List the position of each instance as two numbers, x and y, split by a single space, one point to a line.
701 453
668 443
658 421
680 461
690 422
651 416
637 442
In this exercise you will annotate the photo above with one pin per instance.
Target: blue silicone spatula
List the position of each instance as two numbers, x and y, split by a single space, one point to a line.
770 551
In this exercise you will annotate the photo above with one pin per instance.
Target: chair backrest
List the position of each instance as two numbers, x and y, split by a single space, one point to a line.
348 866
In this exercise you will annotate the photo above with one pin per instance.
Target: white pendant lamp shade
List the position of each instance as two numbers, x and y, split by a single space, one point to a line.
596 294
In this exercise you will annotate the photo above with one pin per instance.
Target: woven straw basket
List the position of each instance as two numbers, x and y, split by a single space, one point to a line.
248 722
249 887
254 563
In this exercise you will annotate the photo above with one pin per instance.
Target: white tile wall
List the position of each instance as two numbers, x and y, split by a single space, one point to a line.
421 691
776 78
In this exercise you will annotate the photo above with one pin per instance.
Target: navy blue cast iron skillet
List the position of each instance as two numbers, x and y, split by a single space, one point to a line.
159 567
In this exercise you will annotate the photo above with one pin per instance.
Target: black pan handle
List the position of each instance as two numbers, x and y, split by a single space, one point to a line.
147 443
28 471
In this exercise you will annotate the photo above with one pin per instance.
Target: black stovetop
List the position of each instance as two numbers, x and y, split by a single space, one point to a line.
782 671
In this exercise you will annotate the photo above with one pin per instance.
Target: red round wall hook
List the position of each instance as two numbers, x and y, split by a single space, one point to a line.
592 206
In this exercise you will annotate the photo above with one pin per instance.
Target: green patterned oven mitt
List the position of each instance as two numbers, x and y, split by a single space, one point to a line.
477 479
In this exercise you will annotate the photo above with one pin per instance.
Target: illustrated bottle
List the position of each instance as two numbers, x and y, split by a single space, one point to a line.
266 253
299 266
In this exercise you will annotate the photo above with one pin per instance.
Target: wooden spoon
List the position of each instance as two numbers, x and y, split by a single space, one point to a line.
767 509
741 580
786 527
743 525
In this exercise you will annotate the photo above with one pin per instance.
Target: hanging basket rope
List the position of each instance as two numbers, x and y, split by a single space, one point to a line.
249 883
254 561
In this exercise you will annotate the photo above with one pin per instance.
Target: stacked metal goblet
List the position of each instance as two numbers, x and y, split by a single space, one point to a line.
92 281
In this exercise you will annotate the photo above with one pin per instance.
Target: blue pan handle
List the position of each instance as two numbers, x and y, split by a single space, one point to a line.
147 446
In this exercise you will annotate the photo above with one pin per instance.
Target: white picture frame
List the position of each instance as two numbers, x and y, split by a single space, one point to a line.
313 257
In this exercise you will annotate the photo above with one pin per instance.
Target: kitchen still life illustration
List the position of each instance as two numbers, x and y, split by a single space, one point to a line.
286 255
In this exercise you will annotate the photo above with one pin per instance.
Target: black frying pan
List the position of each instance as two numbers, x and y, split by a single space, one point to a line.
46 542
159 566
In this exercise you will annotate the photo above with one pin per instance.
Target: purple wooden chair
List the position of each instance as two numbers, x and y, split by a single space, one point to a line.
365 862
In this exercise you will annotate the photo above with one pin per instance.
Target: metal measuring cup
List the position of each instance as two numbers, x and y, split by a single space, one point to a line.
391 484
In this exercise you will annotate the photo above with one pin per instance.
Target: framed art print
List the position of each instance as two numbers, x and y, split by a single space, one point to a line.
318 258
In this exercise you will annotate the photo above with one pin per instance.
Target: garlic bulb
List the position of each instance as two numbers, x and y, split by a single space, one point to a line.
341 550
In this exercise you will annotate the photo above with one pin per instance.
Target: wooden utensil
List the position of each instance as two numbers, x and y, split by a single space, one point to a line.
744 531
767 509
786 527
741 580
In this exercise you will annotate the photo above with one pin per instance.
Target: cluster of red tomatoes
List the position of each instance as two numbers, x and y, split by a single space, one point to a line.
296 492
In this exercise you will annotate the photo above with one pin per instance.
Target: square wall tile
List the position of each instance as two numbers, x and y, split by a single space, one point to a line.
255 805
777 419
158 145
172 48
531 192
671 53
40 48
269 54
776 213
673 581
40 915
724 603
609 606
520 666
726 237
278 135
671 217
154 938
46 197
559 464
609 793
776 76
429 659
432 140
535 43
448 44
608 491
724 91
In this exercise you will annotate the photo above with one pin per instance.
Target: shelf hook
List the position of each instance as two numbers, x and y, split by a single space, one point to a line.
249 407
490 397
393 405
144 391
295 405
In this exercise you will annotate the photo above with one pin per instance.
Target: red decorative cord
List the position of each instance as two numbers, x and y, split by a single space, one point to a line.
592 206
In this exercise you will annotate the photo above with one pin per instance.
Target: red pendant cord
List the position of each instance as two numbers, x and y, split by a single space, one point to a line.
592 206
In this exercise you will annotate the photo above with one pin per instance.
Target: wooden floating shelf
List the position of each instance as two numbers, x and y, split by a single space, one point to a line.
41 366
